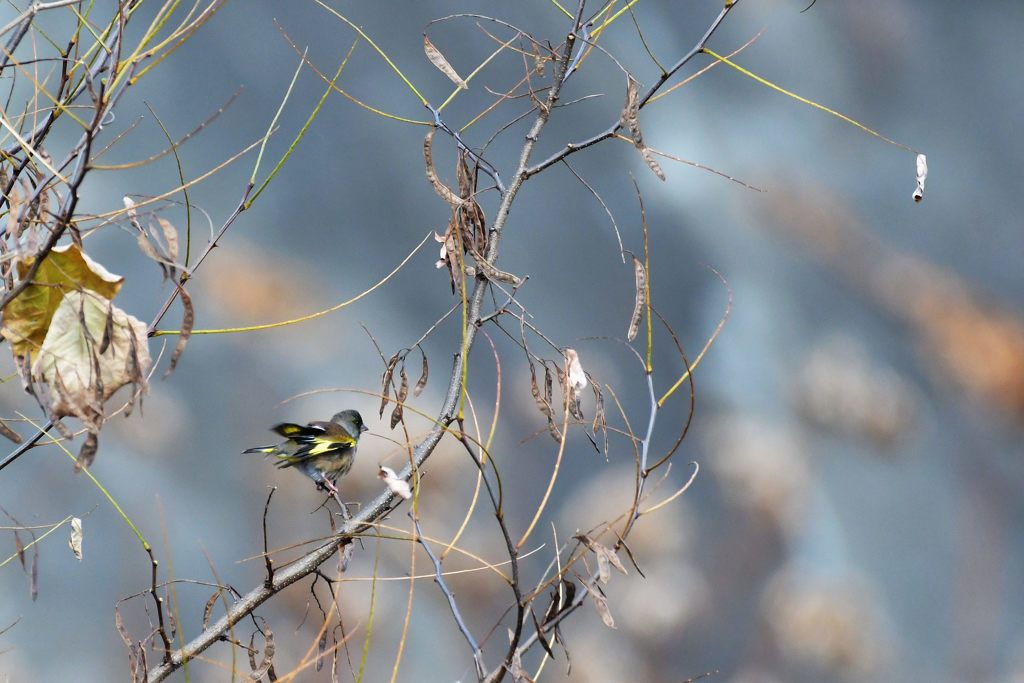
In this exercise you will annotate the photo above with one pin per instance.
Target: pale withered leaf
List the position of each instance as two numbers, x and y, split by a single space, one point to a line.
67 359
170 239
438 60
75 540
601 605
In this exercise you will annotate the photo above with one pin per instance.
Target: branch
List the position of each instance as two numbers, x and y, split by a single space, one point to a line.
382 505
573 147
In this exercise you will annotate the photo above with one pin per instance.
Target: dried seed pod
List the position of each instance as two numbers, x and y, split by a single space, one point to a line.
640 301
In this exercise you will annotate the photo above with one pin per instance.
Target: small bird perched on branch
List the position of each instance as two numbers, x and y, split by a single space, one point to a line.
323 451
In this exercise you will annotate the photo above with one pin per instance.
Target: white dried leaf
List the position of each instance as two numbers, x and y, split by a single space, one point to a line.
75 541
574 370
129 204
922 175
395 484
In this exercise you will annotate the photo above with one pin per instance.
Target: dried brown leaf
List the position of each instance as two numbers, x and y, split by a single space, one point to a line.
108 330
548 393
188 320
9 433
33 575
321 647
640 301
87 453
386 390
403 392
260 671
542 405
438 60
19 549
442 190
208 609
421 383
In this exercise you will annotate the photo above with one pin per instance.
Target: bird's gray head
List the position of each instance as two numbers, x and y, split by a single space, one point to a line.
351 420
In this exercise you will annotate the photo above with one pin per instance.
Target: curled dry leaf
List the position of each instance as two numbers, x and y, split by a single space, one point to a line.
403 392
395 484
640 301
75 540
208 609
922 175
87 453
542 405
386 390
438 60
9 433
421 383
631 119
188 320
442 190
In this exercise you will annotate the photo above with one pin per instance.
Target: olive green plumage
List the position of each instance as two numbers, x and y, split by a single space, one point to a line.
323 451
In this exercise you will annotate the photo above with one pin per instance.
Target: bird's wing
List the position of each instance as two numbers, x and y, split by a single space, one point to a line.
290 430
314 439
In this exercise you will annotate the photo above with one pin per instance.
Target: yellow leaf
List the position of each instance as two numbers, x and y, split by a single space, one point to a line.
66 269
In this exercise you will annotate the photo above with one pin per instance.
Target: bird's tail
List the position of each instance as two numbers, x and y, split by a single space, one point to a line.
261 449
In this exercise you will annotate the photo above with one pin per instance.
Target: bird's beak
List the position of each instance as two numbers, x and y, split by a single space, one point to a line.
363 428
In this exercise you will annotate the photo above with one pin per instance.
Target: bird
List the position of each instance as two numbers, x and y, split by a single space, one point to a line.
323 451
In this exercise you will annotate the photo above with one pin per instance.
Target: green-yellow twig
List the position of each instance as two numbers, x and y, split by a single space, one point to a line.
95 481
305 127
477 70
707 345
381 52
311 316
277 115
562 9
37 540
369 622
798 98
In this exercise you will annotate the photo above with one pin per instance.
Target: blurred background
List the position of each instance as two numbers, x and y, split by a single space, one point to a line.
858 421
